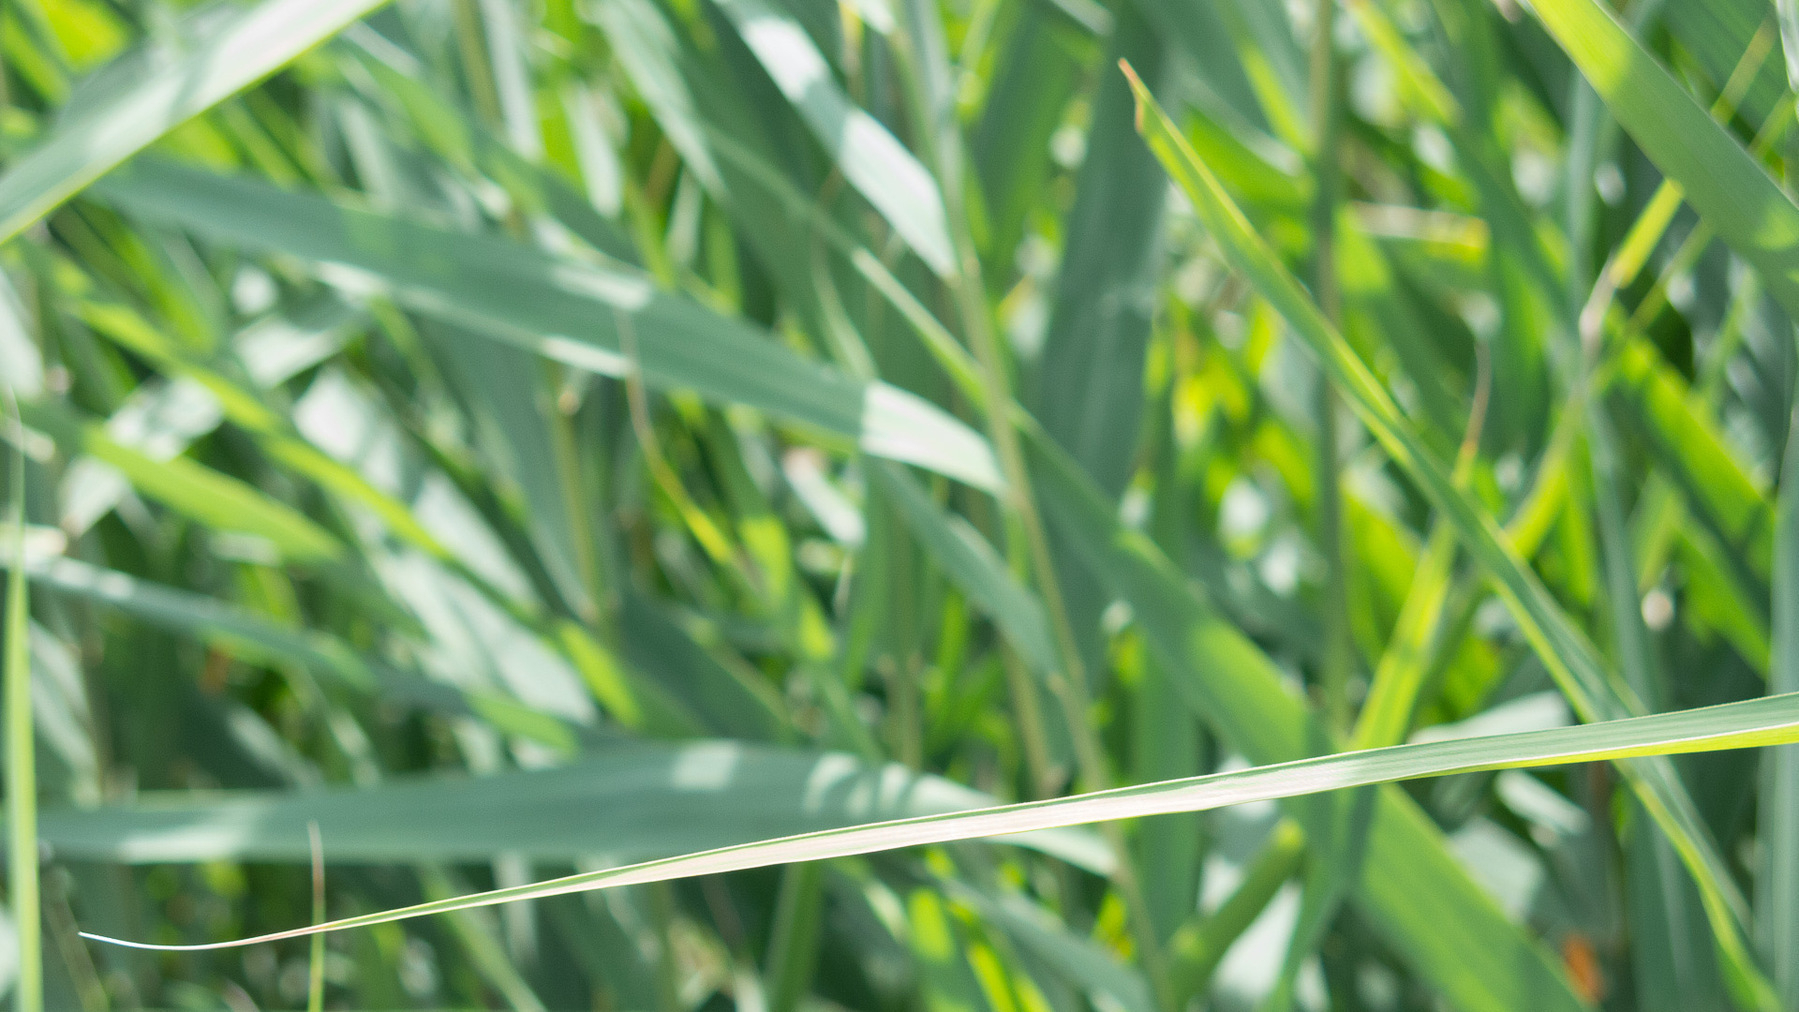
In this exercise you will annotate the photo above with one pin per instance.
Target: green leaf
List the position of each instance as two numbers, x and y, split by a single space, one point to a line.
1399 677
1755 723
1027 94
585 316
21 750
1778 873
631 802
200 493
874 162
507 398
1089 393
1695 454
1411 888
261 640
140 97
651 55
974 567
1720 179
1567 654
1078 959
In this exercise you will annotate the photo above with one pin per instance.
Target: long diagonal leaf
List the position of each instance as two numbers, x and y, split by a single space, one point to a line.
1697 457
1090 395
1770 720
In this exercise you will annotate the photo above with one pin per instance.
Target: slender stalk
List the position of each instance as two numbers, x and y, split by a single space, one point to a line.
1070 683
662 916
1038 763
21 760
1327 115
315 978
1023 525
1777 874
1779 870
471 43
793 937
1196 951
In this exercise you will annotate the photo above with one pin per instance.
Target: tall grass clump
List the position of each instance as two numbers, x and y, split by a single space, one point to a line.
1013 505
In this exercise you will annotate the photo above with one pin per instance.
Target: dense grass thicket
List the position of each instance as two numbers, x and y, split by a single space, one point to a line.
467 442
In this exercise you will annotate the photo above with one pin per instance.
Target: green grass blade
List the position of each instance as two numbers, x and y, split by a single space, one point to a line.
1772 720
1696 455
315 977
1595 692
21 756
502 388
725 702
1092 964
1720 179
1779 869
260 640
1788 13
651 57
208 497
479 939
1412 889
1675 966
564 310
442 124
147 94
1399 677
974 567
642 801
870 157
1033 79
247 409
1089 393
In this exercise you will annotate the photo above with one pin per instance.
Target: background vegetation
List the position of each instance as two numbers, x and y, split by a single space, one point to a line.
522 436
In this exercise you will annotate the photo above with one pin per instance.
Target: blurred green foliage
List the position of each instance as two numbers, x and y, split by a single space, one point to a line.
526 436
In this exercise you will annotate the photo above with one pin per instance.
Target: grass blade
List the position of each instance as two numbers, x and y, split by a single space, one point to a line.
564 310
1399 677
1695 454
258 639
206 496
1412 889
146 94
625 804
971 563
21 754
315 977
1720 179
1089 393
1033 79
1771 720
1779 870
1595 693
873 161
